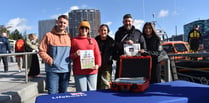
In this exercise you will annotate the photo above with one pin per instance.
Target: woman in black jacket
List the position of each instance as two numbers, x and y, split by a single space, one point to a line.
106 44
153 43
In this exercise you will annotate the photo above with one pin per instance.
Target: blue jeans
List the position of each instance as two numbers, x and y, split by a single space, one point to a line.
57 82
85 82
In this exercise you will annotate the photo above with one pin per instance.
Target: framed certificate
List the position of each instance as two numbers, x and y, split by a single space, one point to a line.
87 59
131 49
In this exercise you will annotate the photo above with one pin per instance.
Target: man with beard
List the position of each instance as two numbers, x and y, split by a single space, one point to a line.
126 34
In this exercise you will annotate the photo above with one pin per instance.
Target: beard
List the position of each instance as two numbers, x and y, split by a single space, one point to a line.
128 27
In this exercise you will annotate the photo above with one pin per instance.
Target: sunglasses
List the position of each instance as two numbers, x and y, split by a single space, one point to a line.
83 27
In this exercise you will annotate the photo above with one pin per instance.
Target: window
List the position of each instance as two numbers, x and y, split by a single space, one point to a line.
168 48
180 47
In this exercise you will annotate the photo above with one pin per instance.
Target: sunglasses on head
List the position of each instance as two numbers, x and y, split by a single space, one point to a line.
83 27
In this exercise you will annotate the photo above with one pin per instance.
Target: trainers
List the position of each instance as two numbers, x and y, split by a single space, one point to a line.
19 70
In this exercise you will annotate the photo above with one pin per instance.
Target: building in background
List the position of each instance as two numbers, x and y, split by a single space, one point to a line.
45 26
203 28
179 37
76 16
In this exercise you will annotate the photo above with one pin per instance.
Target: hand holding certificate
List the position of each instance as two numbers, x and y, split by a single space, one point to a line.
87 59
131 49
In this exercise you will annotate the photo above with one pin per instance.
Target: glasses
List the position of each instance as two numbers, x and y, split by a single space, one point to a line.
83 27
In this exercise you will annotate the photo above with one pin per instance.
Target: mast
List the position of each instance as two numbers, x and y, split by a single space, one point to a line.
161 33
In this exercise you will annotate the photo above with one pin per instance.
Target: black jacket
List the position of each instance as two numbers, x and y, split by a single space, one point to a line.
122 35
153 46
106 49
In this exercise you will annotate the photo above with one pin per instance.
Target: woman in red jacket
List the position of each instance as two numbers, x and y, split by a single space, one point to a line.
86 58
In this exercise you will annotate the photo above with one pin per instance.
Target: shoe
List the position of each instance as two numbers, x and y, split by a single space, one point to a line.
19 70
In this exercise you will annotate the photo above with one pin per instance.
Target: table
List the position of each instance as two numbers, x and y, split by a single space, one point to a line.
167 92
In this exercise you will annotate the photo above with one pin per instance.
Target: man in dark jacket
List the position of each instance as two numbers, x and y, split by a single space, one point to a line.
127 34
4 47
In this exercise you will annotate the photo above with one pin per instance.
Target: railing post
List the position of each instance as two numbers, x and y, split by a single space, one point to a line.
167 70
173 69
26 68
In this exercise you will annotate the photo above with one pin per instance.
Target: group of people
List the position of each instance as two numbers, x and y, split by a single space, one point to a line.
30 44
20 46
150 44
57 50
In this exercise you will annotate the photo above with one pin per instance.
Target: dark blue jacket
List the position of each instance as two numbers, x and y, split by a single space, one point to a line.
4 45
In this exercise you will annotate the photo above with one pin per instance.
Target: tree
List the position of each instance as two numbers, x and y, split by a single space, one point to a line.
15 35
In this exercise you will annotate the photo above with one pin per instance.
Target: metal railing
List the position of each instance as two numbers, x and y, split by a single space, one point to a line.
192 68
206 54
25 55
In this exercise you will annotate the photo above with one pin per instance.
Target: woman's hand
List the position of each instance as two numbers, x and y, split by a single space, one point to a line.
77 53
96 67
141 51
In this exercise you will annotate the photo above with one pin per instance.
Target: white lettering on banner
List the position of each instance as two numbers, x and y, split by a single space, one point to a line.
72 95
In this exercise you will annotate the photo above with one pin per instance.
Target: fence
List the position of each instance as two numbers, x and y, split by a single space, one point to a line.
172 67
192 67
25 59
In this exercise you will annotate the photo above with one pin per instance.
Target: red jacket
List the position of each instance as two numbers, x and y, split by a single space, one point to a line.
82 43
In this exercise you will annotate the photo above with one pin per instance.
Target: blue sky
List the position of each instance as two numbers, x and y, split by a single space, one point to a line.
25 14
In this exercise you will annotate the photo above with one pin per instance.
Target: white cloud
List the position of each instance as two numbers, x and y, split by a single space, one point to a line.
66 13
108 23
74 8
111 34
138 23
163 13
19 24
55 16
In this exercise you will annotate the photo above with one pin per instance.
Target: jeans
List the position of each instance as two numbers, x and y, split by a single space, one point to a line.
5 62
57 82
85 82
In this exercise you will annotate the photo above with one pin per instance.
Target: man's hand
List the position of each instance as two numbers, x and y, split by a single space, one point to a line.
129 42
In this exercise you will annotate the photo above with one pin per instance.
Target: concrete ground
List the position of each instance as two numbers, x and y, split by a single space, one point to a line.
14 89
